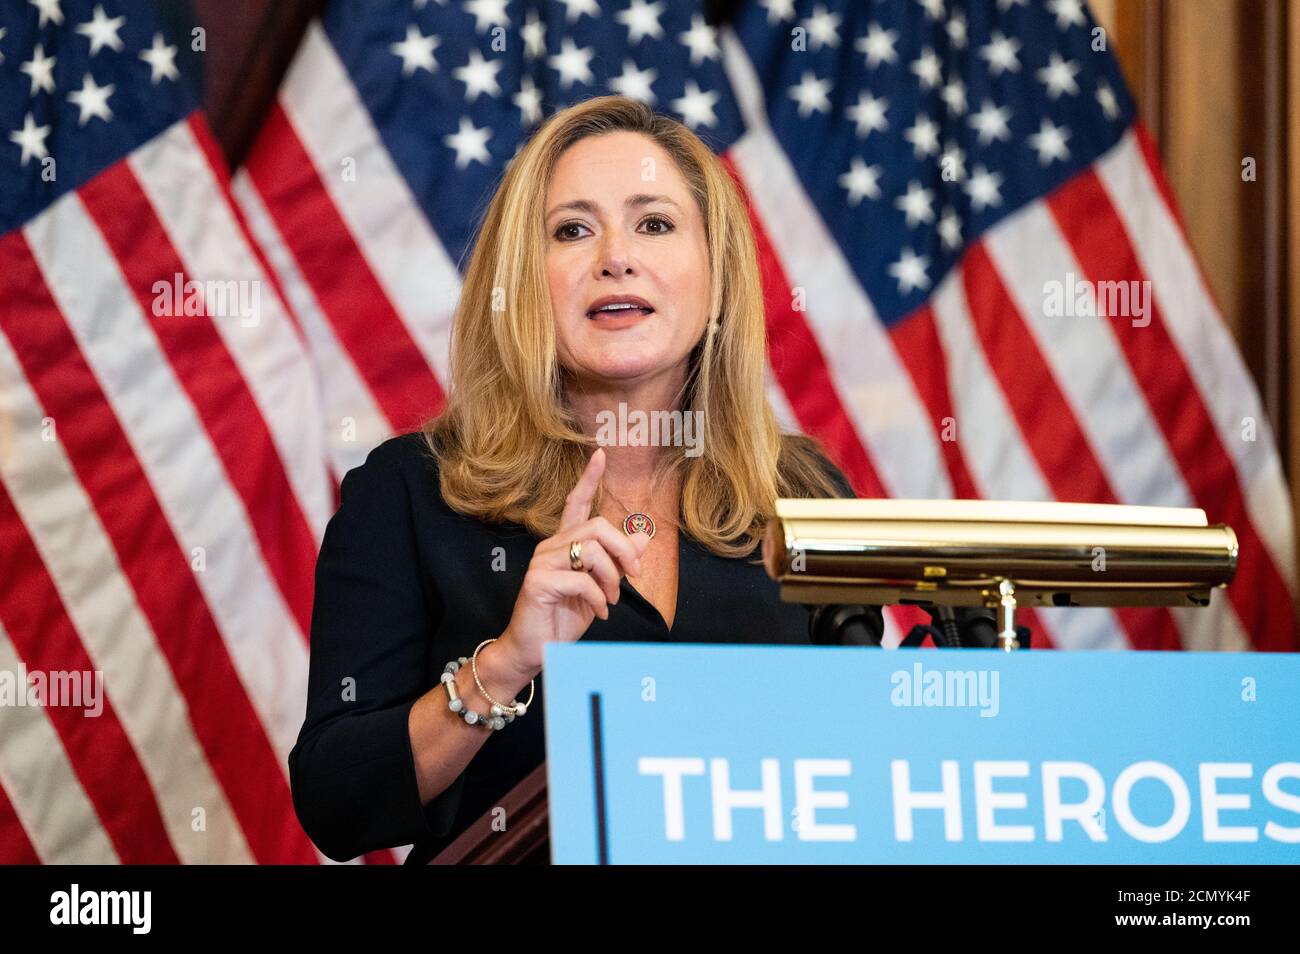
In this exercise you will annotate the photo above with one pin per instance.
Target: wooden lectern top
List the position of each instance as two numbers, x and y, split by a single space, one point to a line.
525 839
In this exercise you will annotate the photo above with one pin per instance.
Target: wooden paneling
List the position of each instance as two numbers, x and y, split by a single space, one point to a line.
1201 143
1132 34
1291 338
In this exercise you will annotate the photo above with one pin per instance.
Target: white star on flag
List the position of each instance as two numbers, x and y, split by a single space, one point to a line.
92 100
878 45
641 20
822 27
916 204
869 114
50 12
778 10
861 180
416 51
534 33
635 83
928 69
576 8
479 76
950 229
571 63
810 94
924 136
695 107
983 188
909 271
953 163
1067 13
1049 142
1001 54
1106 98
487 13
161 59
529 101
954 97
102 31
41 69
1058 76
933 9
470 143
32 139
701 39
991 122
956 28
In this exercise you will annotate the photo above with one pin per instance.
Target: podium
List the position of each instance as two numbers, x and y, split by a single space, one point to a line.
909 756
913 756
526 839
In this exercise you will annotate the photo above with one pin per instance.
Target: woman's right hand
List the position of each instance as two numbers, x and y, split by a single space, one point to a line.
557 603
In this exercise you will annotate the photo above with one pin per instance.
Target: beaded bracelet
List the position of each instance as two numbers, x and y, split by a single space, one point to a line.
500 715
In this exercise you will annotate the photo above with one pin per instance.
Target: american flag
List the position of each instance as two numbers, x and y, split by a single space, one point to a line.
922 175
163 484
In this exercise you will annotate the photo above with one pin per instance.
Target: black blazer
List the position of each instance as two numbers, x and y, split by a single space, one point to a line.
404 584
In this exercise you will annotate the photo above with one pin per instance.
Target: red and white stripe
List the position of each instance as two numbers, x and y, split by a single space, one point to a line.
354 422
161 502
71 605
998 454
51 812
379 287
1217 394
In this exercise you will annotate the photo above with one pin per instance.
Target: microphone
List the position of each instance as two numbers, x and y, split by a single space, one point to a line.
970 627
846 625
979 626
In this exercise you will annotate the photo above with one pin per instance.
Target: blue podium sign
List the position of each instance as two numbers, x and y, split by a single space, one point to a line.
668 754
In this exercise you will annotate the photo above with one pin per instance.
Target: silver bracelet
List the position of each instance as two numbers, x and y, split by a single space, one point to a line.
498 719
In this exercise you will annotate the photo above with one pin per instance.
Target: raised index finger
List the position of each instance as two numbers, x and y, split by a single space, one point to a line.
577 506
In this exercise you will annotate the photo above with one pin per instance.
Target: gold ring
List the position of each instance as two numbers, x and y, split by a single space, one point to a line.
575 555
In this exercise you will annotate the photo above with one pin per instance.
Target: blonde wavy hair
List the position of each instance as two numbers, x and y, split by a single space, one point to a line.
509 448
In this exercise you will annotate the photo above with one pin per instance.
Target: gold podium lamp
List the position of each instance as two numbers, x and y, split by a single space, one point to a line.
996 554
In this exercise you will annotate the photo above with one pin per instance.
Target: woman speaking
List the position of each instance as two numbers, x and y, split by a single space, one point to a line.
614 278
